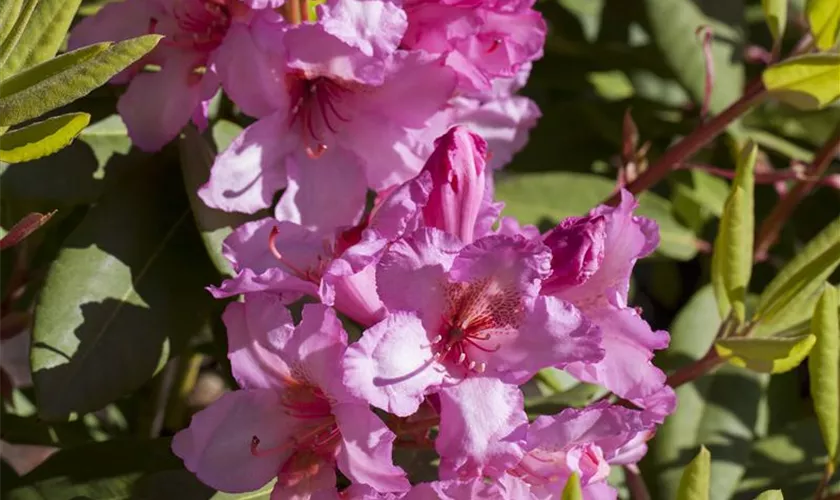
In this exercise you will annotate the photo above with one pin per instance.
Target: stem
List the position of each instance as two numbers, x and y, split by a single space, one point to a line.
636 484
826 477
292 12
696 369
693 142
772 225
189 366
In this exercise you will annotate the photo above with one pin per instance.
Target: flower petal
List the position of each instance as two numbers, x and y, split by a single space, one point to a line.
374 26
252 327
367 445
392 367
483 427
217 444
246 176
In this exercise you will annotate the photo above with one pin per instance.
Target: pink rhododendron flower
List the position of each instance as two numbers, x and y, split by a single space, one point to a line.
584 441
341 121
483 40
157 104
293 419
593 257
471 324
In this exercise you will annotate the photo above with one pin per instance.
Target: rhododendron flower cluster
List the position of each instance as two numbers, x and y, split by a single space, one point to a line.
412 101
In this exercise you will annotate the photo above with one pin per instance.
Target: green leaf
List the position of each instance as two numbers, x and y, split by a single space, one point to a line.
775 13
214 225
719 410
263 493
112 469
124 293
795 287
694 484
673 27
771 495
732 258
69 76
766 355
534 198
572 489
43 35
41 138
807 82
13 27
824 19
824 370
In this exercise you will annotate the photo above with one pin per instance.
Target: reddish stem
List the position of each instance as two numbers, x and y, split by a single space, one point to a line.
768 234
693 142
696 369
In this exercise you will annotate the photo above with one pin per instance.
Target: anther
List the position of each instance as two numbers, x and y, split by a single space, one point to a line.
481 367
471 365
316 153
437 339
462 357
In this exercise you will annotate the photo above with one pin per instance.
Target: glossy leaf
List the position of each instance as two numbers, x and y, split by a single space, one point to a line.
694 484
775 13
766 355
796 286
807 82
533 199
113 469
673 26
44 33
41 138
214 225
824 370
123 294
69 76
572 489
824 20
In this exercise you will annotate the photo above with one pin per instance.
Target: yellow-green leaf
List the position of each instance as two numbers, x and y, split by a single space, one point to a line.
572 490
807 82
66 78
41 138
824 369
732 258
775 13
9 12
694 484
824 18
13 28
770 495
766 355
799 282
44 34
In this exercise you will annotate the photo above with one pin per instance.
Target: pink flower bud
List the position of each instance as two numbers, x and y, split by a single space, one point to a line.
459 179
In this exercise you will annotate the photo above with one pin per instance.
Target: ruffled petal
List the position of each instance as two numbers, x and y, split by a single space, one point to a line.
374 26
392 366
483 427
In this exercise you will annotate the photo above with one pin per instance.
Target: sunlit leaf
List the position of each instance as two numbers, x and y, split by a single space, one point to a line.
69 76
807 82
694 484
16 15
41 138
824 19
766 355
775 13
824 369
796 286
771 495
732 258
45 32
123 294
572 489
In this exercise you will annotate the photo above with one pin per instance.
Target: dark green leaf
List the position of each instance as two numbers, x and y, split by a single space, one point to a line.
124 293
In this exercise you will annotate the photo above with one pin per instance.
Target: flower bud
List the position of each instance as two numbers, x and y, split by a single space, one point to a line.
459 178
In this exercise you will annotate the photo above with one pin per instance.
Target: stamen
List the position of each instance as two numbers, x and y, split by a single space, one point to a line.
437 339
462 357
494 45
319 150
481 367
471 365
272 246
